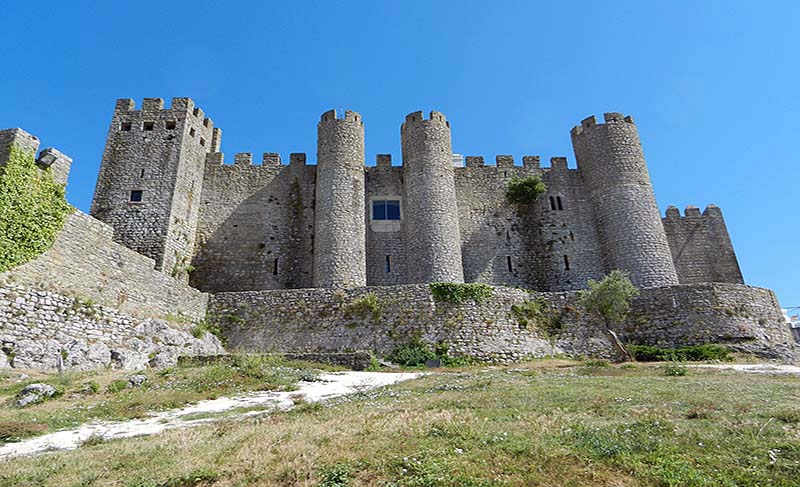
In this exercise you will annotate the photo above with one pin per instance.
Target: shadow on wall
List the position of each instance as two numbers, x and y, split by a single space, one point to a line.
267 240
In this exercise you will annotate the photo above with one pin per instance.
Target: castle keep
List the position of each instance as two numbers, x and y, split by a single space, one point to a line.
337 255
165 189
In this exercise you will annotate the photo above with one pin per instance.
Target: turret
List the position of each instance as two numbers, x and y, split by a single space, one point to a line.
433 242
614 172
151 177
340 236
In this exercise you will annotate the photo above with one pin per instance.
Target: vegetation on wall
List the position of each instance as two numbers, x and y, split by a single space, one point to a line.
524 191
365 306
416 353
537 314
33 209
457 293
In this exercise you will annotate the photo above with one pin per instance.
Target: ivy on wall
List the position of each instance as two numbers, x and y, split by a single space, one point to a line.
33 209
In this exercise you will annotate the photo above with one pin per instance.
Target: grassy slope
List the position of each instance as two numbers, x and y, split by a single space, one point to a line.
165 389
538 424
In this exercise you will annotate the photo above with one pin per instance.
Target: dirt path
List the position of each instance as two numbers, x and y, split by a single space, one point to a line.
329 386
756 368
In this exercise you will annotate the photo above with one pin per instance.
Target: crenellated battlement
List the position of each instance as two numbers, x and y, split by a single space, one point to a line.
505 161
434 116
154 107
246 159
349 116
693 212
590 122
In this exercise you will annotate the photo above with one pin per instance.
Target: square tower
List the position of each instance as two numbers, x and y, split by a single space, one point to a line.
151 178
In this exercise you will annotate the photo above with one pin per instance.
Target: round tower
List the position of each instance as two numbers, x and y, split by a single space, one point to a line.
432 238
615 175
340 233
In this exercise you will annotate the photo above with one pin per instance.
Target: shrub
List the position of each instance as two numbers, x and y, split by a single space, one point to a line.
411 354
208 325
117 385
524 191
537 313
694 353
366 306
457 293
337 475
32 209
674 370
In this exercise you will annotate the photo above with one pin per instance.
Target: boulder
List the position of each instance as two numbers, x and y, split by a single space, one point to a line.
33 393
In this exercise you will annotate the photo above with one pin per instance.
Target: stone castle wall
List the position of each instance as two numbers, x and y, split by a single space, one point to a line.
746 319
701 247
39 329
85 262
256 224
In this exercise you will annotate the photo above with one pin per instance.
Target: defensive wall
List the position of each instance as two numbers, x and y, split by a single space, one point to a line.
744 318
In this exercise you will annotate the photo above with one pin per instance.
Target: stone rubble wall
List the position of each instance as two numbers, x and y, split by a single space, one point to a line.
323 320
85 262
744 318
39 329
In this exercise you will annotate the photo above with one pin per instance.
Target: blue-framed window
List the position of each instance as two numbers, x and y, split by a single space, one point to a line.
385 209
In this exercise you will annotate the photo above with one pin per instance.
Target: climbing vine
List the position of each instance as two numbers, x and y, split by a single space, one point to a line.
33 209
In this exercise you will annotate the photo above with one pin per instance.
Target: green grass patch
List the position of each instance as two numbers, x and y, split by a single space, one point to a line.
458 293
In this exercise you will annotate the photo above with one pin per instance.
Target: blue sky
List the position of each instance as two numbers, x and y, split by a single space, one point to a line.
712 86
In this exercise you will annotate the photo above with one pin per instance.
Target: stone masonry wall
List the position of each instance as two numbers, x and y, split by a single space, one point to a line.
256 224
550 245
39 329
324 320
386 250
85 262
432 238
701 247
160 152
744 318
628 221
340 237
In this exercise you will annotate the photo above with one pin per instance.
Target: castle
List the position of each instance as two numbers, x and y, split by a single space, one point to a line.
339 256
165 190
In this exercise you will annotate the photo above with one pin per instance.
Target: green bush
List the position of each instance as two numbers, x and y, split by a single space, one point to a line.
208 325
609 298
694 353
411 354
337 475
674 370
33 209
524 191
457 293
366 306
117 386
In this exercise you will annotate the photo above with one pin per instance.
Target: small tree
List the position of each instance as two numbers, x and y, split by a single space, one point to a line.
610 300
524 191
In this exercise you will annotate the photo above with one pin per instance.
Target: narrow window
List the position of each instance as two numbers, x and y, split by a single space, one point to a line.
149 125
125 127
170 124
558 200
191 132
508 263
202 141
572 236
378 210
141 174
566 263
136 196
552 203
275 267
392 210
388 264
